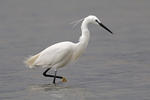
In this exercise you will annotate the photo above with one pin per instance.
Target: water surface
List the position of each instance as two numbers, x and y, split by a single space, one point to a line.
112 68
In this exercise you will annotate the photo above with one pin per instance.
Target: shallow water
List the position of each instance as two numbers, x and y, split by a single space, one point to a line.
112 68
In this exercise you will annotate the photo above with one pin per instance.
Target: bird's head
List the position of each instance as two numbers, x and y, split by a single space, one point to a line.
93 19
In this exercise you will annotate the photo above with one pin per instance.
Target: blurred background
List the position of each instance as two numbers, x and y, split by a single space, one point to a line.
112 68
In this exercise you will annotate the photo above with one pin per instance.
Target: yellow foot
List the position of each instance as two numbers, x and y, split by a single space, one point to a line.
64 79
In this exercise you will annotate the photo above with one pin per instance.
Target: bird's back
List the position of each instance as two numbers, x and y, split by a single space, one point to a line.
56 55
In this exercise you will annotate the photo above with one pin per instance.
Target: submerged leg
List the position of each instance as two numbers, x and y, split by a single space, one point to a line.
54 77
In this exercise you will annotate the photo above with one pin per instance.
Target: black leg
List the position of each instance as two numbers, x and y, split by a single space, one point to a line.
47 75
44 73
54 78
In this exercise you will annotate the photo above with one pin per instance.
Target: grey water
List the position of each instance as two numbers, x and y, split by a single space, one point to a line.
114 67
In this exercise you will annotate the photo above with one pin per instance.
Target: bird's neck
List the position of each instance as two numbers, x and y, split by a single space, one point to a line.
84 38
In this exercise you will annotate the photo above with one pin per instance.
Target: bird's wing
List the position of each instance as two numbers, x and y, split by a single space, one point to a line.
53 55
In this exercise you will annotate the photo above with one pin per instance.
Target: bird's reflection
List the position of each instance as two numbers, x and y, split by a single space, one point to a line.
48 87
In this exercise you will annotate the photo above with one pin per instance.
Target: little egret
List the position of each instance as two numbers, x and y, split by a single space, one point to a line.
60 54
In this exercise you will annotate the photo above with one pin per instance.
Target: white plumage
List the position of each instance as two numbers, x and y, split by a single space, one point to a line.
60 54
54 55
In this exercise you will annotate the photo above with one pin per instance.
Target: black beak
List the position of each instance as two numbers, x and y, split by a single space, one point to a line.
102 25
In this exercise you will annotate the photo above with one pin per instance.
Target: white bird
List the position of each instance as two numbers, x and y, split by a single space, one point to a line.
60 54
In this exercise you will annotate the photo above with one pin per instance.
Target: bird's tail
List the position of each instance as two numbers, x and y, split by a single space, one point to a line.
30 61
